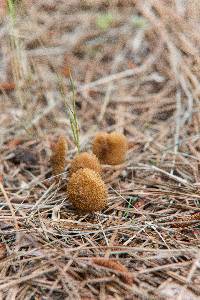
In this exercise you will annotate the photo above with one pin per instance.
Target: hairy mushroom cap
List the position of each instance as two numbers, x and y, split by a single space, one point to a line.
58 157
87 191
110 148
85 160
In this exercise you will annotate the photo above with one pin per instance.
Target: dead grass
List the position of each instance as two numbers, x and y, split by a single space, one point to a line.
138 74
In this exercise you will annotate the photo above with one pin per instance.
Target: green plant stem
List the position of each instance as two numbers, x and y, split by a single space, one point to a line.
71 110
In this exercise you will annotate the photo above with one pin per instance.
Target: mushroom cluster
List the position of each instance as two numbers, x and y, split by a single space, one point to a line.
86 189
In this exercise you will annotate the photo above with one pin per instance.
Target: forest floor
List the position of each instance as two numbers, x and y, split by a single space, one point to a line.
136 67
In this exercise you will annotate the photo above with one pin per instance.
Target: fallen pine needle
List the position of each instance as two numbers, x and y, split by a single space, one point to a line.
9 205
114 265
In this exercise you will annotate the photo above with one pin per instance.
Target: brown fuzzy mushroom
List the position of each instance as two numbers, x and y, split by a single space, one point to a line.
87 191
58 157
110 148
85 160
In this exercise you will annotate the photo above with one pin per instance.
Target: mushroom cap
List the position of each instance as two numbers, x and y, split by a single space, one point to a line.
58 157
85 160
87 191
110 148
